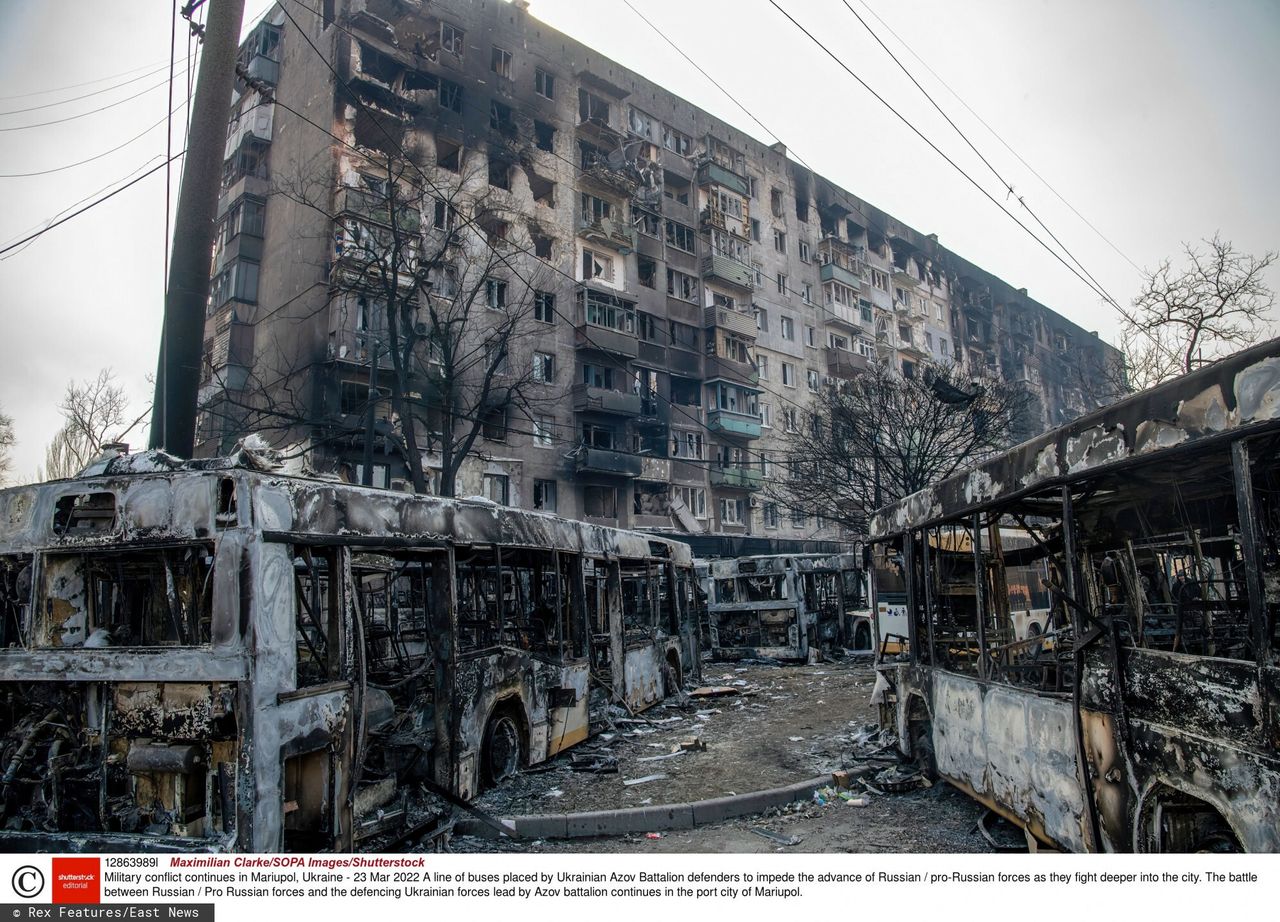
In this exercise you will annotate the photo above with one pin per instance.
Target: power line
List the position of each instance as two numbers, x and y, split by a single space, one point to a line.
96 192
59 169
73 86
71 118
91 205
1004 182
63 102
1102 294
997 135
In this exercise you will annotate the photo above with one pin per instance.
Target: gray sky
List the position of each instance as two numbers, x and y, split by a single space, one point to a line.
1155 119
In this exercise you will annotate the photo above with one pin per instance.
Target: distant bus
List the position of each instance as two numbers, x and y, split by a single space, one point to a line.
204 656
784 606
1092 621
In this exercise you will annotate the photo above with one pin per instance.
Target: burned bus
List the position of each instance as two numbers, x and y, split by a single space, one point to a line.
201 655
785 606
1144 715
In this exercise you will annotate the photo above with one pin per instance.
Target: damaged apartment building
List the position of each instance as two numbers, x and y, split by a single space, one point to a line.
685 291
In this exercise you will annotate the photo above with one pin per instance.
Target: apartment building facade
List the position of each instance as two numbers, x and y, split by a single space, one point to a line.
696 289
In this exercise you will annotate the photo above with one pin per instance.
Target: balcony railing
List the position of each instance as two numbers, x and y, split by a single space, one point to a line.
728 270
738 477
602 400
731 422
844 314
731 370
605 461
607 231
606 339
835 272
710 172
844 364
734 322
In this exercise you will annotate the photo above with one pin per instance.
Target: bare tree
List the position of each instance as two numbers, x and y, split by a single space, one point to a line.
435 285
95 412
7 441
1183 317
882 436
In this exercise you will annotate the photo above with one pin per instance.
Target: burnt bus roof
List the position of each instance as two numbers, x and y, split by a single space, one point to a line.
759 564
1236 396
156 499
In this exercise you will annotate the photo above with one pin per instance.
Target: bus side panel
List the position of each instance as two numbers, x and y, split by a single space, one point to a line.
1197 728
570 725
644 674
1014 751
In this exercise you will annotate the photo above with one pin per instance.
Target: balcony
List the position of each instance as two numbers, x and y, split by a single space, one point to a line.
729 271
265 69
606 339
602 400
604 461
844 364
903 278
654 413
731 422
658 469
844 315
607 232
357 348
835 272
734 322
731 370
684 362
712 173
737 477
374 207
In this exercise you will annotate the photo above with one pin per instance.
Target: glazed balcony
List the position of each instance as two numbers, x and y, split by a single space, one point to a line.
605 461
731 422
844 364
728 271
737 477
602 400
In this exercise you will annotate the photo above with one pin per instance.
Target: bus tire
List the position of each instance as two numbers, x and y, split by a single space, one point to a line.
503 750
862 636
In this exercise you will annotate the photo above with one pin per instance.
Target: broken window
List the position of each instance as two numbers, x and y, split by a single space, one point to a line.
250 159
641 123
681 237
501 119
544 495
591 108
682 285
544 135
596 266
493 424
544 306
544 83
676 141
600 502
611 313
500 62
445 216
684 336
544 367
595 210
648 271
497 488
450 96
451 39
646 222
448 155
541 245
543 190
495 294
127 599
543 436
775 202
600 376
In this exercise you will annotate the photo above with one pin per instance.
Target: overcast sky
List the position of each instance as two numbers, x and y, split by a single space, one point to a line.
1155 119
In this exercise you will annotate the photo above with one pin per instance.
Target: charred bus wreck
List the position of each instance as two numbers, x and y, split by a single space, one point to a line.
1145 714
201 655
785 606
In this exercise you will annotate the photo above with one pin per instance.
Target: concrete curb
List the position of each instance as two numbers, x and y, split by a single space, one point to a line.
654 818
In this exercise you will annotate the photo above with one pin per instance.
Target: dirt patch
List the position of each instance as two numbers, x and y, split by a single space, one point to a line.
784 724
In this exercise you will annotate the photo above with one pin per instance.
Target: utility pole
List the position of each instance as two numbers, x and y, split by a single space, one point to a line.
173 414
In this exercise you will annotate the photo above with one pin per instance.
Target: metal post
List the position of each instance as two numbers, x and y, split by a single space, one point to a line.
909 581
979 594
366 476
173 414
927 572
1249 547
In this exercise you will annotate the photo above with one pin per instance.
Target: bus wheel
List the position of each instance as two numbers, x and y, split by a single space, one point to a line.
671 680
862 637
503 749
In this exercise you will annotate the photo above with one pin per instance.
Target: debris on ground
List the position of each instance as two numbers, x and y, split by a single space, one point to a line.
663 757
775 836
692 744
646 779
715 691
898 779
599 763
